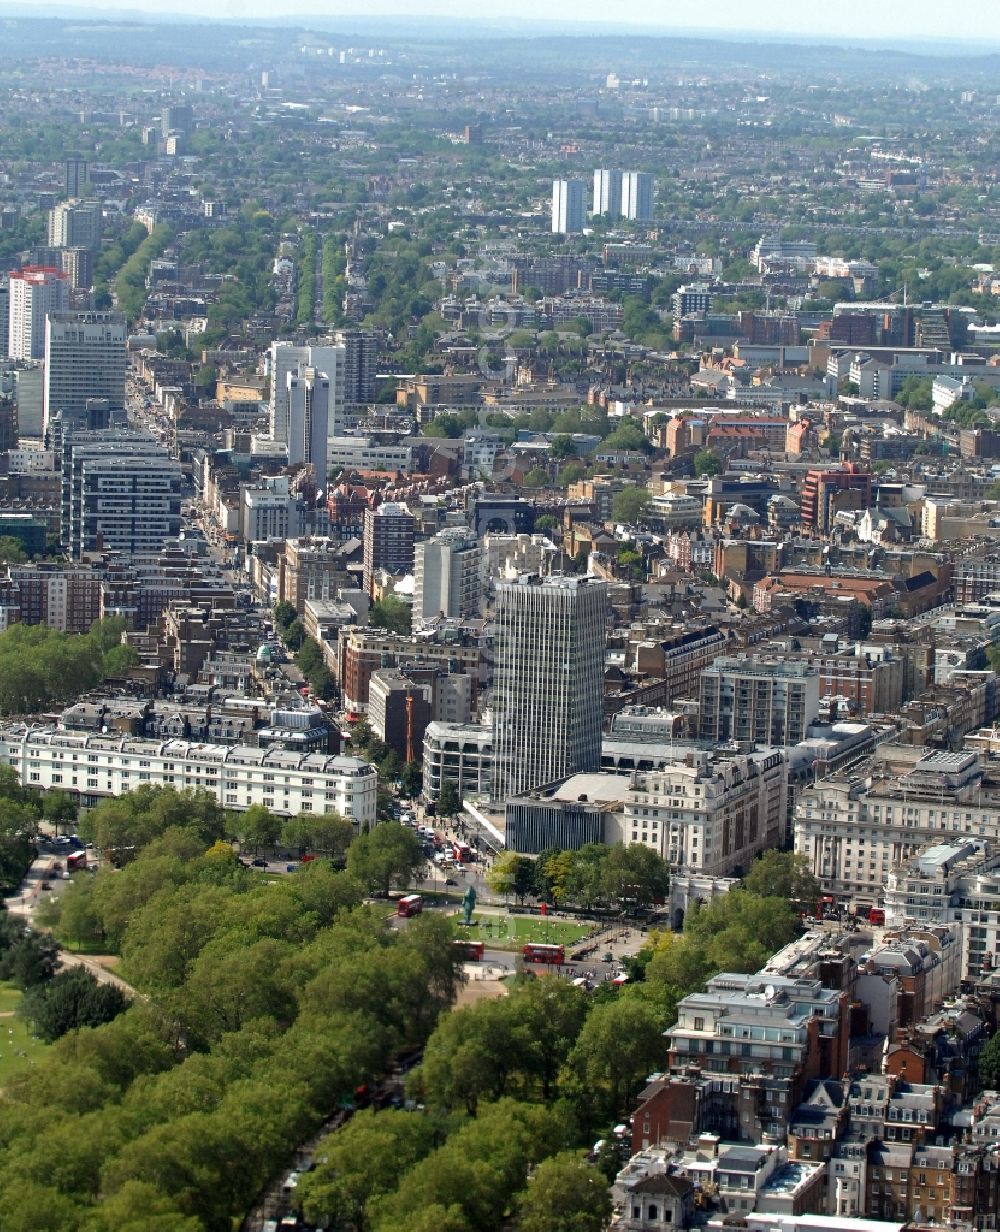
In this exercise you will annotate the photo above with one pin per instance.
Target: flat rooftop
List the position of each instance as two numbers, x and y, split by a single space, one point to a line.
597 788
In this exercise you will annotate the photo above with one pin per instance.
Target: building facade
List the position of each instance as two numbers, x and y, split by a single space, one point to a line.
711 812
950 881
84 360
33 293
448 576
360 358
75 224
568 207
308 399
96 767
637 196
854 829
607 193
121 491
388 541
289 359
460 754
770 702
549 671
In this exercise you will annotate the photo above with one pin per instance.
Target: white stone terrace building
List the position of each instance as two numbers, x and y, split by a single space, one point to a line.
98 766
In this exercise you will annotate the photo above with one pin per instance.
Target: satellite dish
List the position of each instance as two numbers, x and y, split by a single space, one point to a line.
769 992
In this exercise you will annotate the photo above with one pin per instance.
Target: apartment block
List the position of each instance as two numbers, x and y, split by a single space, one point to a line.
120 491
770 1033
949 881
448 576
388 541
768 701
33 293
96 767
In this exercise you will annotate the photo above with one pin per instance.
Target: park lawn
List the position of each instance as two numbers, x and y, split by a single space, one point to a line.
15 1037
508 931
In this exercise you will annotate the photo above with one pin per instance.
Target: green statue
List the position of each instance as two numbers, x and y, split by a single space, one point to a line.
469 905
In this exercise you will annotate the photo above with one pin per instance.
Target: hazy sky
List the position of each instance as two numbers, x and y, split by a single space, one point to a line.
848 19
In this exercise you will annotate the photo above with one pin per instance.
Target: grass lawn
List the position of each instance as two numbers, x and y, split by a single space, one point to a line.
15 1036
508 931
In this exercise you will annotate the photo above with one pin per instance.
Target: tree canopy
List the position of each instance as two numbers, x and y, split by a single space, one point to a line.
627 504
264 1007
707 462
387 855
41 667
392 614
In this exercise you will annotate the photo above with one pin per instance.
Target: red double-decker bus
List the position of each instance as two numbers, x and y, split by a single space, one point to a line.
76 860
410 904
471 951
461 852
543 953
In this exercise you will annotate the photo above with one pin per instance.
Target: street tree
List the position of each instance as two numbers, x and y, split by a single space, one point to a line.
284 614
60 808
411 779
325 834
449 800
500 878
362 1161
634 876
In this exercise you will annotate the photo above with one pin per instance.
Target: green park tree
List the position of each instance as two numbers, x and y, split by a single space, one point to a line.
71 999
387 855
564 1194
620 1044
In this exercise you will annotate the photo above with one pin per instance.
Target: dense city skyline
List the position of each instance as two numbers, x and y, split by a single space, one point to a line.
499 620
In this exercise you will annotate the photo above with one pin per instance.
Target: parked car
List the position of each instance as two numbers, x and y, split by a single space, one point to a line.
259 862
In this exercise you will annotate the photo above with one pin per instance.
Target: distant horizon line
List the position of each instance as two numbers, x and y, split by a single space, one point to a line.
526 26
